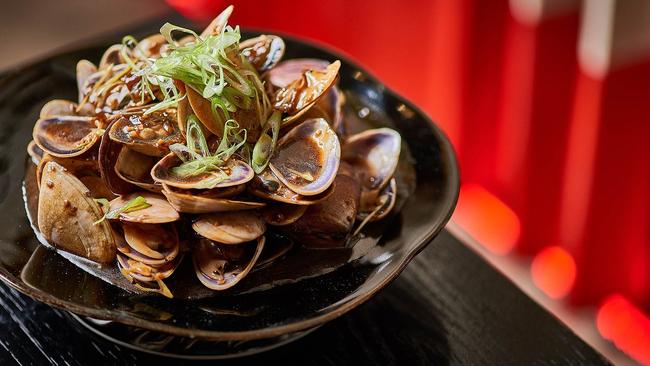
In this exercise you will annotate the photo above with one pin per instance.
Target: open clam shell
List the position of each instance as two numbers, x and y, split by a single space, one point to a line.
214 121
85 69
35 152
77 166
58 108
301 94
307 158
109 151
218 23
67 216
132 268
268 186
209 201
230 227
66 136
218 269
111 56
380 207
290 70
263 52
150 134
158 242
135 168
236 172
159 212
280 214
374 155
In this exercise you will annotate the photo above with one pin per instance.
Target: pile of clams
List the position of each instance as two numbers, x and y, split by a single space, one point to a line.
155 163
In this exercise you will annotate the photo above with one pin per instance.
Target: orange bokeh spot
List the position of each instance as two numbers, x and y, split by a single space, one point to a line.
626 326
487 219
554 271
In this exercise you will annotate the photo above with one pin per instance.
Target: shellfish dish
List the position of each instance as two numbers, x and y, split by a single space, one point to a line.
202 158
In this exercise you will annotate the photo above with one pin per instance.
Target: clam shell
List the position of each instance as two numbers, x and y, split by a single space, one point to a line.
158 242
288 71
188 202
150 134
66 136
34 152
111 56
374 155
382 205
268 186
230 227
216 271
218 23
159 212
239 173
85 69
67 213
215 121
280 214
58 108
135 168
109 151
307 158
263 52
303 92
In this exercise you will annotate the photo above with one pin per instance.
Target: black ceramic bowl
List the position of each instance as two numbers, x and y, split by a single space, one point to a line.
256 320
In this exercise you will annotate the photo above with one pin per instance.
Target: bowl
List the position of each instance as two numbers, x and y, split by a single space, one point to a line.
276 306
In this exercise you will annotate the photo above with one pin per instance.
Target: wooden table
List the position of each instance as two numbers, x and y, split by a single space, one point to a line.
448 307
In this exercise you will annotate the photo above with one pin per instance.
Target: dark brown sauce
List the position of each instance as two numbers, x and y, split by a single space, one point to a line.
299 159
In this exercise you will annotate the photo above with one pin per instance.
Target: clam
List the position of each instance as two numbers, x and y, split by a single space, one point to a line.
268 186
234 172
159 211
280 214
68 217
150 134
67 136
112 56
85 69
220 267
132 268
205 201
218 23
109 152
374 155
149 47
230 227
34 152
214 121
302 93
77 166
135 168
170 250
381 206
58 108
307 158
263 52
157 242
288 71
96 186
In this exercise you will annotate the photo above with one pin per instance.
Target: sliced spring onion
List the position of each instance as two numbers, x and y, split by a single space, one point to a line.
136 204
265 145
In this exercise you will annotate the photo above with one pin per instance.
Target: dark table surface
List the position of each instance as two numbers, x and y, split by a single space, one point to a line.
448 307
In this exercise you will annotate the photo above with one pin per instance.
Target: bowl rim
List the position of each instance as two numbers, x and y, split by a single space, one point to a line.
421 242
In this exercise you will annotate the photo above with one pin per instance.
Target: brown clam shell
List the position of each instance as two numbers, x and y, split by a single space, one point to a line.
217 270
159 212
67 216
150 134
230 227
210 201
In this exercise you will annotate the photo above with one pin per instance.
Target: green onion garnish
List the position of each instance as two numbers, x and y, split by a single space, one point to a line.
136 204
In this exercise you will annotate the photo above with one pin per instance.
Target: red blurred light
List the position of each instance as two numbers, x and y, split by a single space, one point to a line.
200 10
487 219
554 271
626 326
